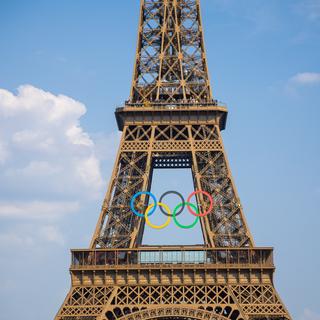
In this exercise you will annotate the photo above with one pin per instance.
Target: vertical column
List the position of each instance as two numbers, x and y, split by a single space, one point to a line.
225 226
107 197
137 234
206 230
117 226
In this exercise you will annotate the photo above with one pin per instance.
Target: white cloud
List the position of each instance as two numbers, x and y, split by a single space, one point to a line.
44 147
310 315
305 78
30 139
49 165
78 137
54 108
34 169
37 210
89 172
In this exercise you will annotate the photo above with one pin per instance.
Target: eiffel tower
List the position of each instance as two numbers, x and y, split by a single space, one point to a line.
171 120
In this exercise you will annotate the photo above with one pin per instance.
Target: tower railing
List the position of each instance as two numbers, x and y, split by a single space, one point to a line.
182 103
221 257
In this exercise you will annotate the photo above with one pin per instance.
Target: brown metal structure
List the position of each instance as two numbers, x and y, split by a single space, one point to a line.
171 121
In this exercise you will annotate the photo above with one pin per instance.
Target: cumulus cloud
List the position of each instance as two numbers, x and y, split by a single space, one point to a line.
43 147
305 78
50 166
310 315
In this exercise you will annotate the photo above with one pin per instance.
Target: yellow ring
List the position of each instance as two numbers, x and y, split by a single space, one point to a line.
162 225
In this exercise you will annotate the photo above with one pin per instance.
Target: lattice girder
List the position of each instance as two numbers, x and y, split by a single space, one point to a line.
221 301
202 146
170 61
171 121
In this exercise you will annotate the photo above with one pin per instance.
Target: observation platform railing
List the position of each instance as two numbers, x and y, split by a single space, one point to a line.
152 256
179 112
178 104
173 103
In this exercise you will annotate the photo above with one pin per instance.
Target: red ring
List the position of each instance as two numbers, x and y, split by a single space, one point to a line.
206 212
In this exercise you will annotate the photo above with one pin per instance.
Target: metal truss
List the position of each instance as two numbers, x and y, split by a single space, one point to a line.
171 146
171 121
170 61
125 288
216 301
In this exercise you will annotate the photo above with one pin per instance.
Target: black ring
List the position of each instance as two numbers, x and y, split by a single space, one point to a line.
182 200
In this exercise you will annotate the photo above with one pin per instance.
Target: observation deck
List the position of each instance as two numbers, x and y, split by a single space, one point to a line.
184 265
174 257
192 112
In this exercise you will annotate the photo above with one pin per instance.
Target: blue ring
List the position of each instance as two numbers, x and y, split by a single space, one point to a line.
139 194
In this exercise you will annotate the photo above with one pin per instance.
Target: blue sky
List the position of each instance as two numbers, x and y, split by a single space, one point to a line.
66 65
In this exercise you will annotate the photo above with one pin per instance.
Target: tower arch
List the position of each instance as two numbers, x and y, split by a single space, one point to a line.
170 312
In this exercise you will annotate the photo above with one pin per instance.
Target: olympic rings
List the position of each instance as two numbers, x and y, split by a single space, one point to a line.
182 204
161 205
210 207
179 195
166 211
141 215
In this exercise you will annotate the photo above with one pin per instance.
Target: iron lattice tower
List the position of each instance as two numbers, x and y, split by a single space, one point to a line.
171 121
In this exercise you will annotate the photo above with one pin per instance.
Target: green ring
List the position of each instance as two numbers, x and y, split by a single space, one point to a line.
178 223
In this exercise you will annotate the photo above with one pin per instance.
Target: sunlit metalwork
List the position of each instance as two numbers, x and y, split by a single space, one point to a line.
172 121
